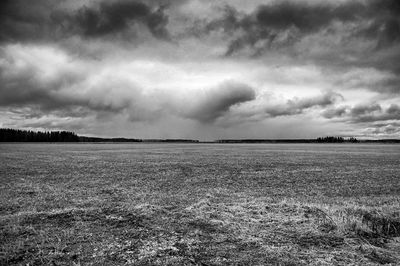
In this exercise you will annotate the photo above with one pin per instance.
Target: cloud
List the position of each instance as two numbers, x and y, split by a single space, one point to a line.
210 104
365 113
283 23
332 35
56 122
288 22
50 81
372 79
49 20
46 80
360 110
303 16
37 75
334 112
391 129
298 106
114 17
19 23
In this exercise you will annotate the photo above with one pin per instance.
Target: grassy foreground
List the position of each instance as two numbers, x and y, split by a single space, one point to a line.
198 205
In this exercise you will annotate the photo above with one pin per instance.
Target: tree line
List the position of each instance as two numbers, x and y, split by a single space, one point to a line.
331 139
17 135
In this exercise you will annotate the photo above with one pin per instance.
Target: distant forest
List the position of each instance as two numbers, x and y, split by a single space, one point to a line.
16 135
336 140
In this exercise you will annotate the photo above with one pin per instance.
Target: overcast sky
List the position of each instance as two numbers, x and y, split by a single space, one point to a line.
201 69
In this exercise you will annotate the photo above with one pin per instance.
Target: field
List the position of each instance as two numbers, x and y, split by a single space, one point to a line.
199 204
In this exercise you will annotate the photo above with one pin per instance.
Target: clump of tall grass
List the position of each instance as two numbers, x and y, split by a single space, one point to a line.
366 223
382 224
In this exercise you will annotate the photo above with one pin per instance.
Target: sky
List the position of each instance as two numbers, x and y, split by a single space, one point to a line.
201 69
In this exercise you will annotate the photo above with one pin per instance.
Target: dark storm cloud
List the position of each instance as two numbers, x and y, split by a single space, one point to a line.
364 113
283 25
25 89
385 25
48 97
23 21
386 31
298 106
26 84
50 20
112 17
71 95
216 102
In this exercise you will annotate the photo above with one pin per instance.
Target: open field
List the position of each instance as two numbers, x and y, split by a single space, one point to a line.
199 204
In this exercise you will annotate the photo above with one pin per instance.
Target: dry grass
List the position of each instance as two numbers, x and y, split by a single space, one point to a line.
212 231
152 206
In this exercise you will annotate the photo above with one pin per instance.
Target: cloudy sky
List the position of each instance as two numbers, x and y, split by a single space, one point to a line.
201 69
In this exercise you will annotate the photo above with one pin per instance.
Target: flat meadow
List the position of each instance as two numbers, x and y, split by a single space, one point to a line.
199 204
